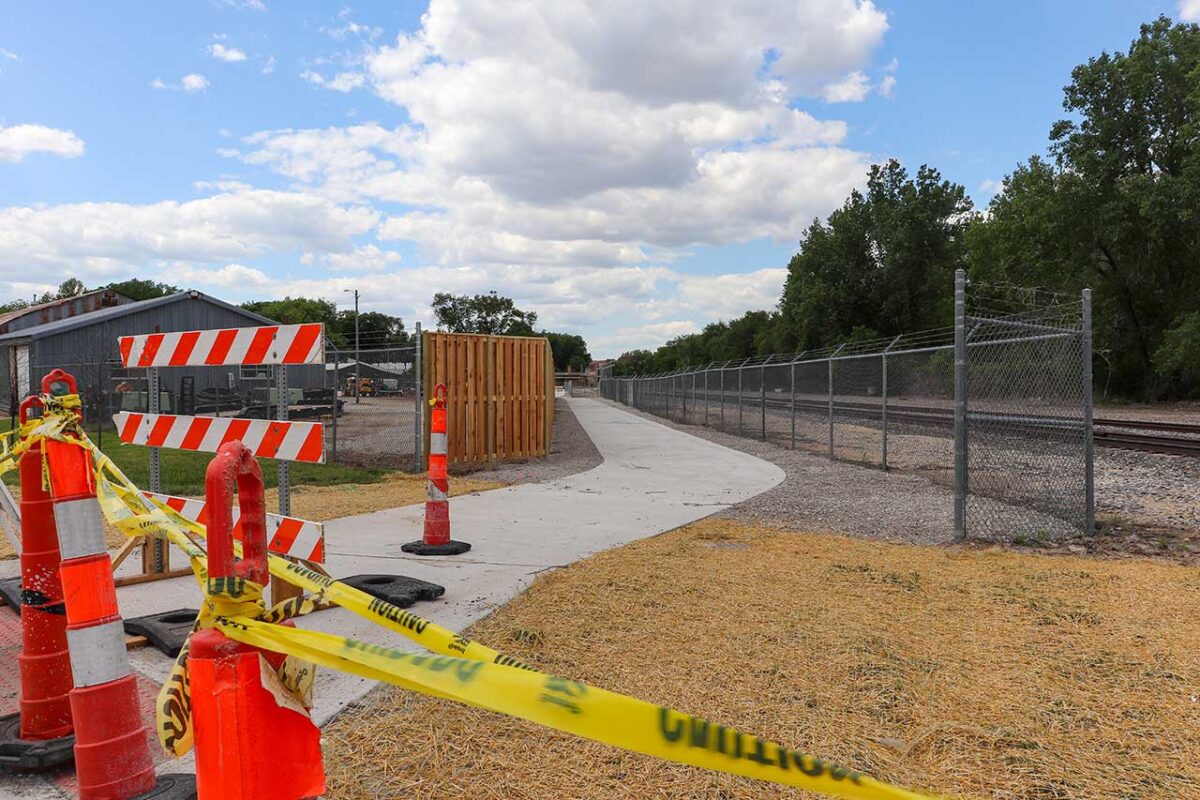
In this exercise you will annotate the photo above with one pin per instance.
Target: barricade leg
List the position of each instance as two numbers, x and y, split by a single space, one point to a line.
436 540
39 736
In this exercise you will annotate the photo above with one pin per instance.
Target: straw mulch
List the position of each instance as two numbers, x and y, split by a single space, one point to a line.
981 673
321 503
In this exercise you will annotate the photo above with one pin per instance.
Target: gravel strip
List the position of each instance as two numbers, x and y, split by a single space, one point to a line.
571 451
819 495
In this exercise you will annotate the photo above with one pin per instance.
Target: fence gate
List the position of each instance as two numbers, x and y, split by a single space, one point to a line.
499 394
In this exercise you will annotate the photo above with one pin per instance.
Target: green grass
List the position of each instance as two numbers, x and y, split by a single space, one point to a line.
183 471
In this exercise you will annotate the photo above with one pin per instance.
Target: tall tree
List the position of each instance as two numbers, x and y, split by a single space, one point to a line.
482 313
1117 209
569 350
142 289
882 264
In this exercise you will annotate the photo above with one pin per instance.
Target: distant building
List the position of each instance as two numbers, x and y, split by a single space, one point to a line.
85 344
55 310
593 370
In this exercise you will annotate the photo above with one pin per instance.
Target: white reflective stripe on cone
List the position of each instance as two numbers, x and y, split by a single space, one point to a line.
434 493
98 653
80 528
437 444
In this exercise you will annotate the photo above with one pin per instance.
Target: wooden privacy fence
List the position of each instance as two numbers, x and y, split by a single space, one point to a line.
499 394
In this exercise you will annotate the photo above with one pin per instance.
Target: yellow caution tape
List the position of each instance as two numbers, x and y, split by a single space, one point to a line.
461 669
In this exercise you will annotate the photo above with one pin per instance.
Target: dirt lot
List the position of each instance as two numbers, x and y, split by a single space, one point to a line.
977 672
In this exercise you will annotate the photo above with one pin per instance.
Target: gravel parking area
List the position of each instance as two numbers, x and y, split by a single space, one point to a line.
571 451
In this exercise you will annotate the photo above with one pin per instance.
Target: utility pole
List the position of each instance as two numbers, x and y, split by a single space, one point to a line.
357 352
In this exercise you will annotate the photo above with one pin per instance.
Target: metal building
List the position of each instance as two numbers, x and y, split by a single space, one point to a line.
86 346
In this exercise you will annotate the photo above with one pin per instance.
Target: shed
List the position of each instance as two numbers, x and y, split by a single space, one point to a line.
86 346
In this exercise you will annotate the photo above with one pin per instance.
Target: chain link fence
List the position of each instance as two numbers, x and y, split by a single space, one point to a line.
380 393
996 408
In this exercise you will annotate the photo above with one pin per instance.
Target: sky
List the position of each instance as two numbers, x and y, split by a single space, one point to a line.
630 171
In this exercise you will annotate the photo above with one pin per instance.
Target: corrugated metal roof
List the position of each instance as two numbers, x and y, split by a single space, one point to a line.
94 317
9 316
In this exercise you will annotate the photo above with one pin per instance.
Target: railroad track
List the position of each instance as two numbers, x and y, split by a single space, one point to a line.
1148 436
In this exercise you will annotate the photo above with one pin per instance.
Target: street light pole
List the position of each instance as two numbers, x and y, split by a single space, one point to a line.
357 352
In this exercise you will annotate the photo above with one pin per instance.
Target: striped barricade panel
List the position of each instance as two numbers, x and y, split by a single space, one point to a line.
290 441
289 536
268 344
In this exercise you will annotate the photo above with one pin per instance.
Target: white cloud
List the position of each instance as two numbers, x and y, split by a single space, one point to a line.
990 186
269 66
853 88
567 153
18 141
368 258
342 82
1189 10
228 276
223 53
252 5
9 54
96 239
194 82
887 85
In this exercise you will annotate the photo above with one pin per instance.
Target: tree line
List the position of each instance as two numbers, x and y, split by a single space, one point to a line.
1114 205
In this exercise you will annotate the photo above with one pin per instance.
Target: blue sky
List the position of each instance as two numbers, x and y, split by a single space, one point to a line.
629 173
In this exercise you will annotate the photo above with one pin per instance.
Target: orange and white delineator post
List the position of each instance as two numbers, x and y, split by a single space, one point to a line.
437 541
112 754
249 744
39 736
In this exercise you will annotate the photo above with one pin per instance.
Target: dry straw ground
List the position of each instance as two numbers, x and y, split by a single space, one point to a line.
321 503
979 673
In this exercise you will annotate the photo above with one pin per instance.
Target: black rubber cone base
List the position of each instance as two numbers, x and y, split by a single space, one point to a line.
10 590
399 590
167 631
450 548
23 755
174 786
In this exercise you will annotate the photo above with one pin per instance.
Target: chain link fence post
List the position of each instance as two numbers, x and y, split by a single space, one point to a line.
762 396
960 404
793 403
154 553
739 429
884 397
281 413
1089 452
418 402
830 379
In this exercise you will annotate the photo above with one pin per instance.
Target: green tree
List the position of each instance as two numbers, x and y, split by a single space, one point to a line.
882 264
570 351
375 330
141 289
1117 210
295 310
482 313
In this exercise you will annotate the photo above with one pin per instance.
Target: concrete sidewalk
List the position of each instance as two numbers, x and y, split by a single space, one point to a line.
653 479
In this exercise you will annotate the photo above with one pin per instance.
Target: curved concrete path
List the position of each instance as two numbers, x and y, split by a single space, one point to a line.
653 479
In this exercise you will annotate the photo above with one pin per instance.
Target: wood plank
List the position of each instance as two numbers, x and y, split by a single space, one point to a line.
490 393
